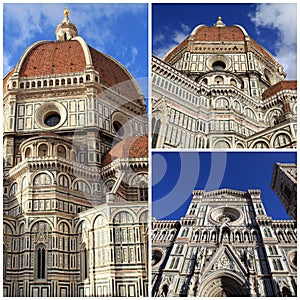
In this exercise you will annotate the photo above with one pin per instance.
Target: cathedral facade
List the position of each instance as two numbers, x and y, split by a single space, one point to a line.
75 173
220 89
225 245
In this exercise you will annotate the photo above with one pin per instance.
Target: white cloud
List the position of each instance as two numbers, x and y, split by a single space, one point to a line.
93 21
134 52
283 18
158 38
6 64
162 51
174 39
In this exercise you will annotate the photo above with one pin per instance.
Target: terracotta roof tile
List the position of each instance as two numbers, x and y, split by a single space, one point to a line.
131 147
231 33
280 86
54 58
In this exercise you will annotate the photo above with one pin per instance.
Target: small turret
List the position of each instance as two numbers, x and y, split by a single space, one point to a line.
66 30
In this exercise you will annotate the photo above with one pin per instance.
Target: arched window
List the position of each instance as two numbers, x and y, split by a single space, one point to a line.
204 81
123 217
267 232
144 217
42 179
222 103
82 186
246 237
219 80
273 250
43 150
28 152
196 236
222 144
261 144
41 261
233 82
13 189
61 151
250 113
185 232
282 140
63 181
280 236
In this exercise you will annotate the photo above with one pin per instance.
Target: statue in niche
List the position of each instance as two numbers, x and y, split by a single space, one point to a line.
250 258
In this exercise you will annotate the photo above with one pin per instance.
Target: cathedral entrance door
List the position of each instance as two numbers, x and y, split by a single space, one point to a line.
223 286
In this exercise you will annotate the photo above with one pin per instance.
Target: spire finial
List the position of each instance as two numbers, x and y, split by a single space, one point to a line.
66 12
219 23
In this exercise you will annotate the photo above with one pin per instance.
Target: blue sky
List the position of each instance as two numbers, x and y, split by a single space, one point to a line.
272 25
176 174
120 30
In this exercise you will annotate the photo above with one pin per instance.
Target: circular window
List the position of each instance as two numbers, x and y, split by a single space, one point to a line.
52 119
225 214
218 66
50 115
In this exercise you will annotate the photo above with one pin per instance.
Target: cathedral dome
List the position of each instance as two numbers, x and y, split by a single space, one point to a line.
130 147
231 39
70 54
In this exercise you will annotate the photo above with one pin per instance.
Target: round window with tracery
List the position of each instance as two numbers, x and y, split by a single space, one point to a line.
225 214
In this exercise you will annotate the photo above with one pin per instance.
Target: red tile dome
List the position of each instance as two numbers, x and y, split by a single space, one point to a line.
130 147
218 33
72 56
